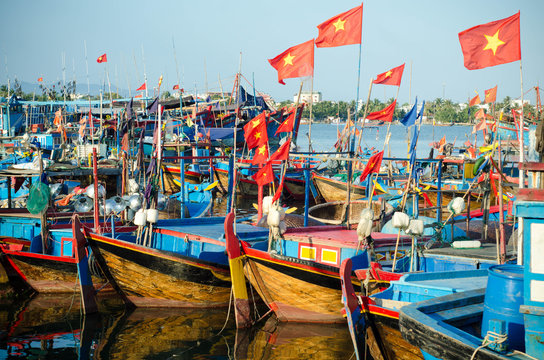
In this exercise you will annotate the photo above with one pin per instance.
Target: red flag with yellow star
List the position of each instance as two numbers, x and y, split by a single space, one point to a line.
102 59
491 95
283 151
265 175
372 166
261 154
391 77
297 61
475 100
288 124
385 114
342 29
255 131
491 44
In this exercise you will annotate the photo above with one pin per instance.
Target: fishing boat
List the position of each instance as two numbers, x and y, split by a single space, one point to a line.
375 318
335 212
503 320
64 267
184 265
331 189
298 276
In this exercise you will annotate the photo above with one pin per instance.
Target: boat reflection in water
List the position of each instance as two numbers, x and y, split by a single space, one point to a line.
52 327
290 340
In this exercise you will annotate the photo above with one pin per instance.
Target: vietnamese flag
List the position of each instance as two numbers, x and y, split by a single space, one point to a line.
141 88
391 77
491 44
491 95
482 125
372 166
288 124
261 154
255 131
40 79
475 100
297 61
342 29
385 114
265 175
283 151
176 87
102 59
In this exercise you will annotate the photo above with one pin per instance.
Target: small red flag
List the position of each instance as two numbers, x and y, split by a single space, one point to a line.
297 61
491 95
372 166
283 151
288 124
265 175
491 44
480 126
278 191
102 59
391 77
385 114
141 88
261 154
40 79
475 100
176 87
255 131
480 114
342 29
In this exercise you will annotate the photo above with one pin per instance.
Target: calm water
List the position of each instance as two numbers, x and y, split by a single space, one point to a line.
53 328
49 327
324 137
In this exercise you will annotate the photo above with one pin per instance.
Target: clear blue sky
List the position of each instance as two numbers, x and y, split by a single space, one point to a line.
424 33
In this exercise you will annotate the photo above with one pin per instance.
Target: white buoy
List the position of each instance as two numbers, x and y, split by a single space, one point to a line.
456 206
415 228
400 220
152 215
140 218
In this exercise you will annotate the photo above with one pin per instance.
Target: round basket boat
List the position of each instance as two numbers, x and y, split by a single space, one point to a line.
334 212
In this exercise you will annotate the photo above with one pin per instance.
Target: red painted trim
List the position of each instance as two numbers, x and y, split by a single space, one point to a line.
258 254
42 256
154 252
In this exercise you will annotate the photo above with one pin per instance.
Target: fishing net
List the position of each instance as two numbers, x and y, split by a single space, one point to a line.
38 197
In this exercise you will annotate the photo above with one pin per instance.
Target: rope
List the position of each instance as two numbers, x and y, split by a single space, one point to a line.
490 338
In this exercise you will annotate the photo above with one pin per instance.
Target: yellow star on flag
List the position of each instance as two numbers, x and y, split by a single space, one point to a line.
388 74
339 25
257 135
262 150
288 60
255 123
493 42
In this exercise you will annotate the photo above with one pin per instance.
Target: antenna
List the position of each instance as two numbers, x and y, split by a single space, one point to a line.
87 67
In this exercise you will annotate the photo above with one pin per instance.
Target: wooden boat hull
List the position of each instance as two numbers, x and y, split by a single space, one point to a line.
335 190
334 213
372 327
305 293
244 187
154 278
47 274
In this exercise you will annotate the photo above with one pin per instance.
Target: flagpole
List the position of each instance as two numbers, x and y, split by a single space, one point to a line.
311 108
521 172
352 144
364 114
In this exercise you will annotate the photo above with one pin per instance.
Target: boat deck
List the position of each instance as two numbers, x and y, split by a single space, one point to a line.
486 252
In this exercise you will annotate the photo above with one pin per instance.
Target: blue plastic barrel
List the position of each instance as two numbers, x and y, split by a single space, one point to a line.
503 297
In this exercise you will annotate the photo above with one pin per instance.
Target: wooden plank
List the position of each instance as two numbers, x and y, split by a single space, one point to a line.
531 166
530 195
